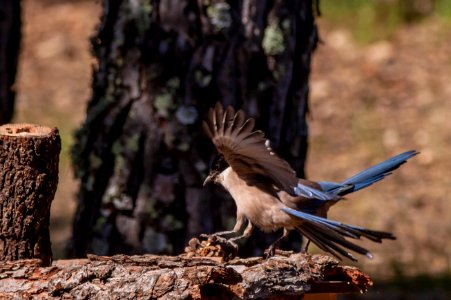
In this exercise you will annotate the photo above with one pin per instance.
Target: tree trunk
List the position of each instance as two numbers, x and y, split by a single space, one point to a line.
10 35
141 155
28 179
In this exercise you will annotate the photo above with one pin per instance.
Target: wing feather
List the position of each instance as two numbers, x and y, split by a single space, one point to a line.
238 122
246 150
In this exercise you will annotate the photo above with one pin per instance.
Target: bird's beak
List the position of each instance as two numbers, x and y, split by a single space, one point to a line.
209 178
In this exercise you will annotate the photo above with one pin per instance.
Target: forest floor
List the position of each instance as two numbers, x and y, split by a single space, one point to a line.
368 102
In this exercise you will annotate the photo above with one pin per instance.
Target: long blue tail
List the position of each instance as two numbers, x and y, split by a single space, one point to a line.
330 235
368 176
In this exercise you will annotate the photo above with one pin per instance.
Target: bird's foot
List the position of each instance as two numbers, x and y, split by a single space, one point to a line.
270 252
273 250
223 242
210 245
205 236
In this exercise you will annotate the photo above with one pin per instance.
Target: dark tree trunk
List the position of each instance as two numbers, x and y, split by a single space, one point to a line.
29 156
141 155
10 34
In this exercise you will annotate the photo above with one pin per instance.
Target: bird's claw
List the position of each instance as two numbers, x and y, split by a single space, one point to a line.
205 236
270 252
212 245
273 250
227 244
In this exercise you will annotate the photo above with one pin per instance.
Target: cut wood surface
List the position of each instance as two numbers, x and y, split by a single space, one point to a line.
29 156
179 277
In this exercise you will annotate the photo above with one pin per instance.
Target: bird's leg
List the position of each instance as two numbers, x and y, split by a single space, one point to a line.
306 247
229 245
272 249
239 223
246 233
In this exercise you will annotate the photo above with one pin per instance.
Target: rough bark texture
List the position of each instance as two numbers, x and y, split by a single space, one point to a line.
151 277
29 156
141 155
10 35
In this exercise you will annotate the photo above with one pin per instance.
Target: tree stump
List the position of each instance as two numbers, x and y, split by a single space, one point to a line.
29 156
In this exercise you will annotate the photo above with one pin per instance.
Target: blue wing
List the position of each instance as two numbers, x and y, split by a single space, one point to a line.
312 193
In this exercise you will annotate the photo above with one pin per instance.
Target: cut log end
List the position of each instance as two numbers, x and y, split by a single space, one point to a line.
24 129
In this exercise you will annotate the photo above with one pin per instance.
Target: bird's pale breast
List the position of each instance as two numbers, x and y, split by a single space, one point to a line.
260 208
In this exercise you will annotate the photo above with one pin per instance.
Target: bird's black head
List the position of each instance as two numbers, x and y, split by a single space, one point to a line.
217 165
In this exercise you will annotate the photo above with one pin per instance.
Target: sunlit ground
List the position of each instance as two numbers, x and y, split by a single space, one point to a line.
370 99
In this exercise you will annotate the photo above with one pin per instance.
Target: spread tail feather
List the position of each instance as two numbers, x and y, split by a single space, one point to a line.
330 235
369 176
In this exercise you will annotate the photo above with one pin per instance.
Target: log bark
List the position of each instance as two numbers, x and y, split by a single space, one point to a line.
168 277
29 156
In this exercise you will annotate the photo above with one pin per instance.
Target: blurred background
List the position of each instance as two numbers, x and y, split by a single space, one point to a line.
380 84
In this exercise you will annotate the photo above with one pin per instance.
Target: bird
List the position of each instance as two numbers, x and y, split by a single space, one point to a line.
268 194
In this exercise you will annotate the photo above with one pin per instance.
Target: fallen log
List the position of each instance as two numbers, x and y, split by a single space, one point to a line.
179 277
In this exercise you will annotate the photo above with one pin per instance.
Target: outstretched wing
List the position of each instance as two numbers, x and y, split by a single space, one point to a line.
249 154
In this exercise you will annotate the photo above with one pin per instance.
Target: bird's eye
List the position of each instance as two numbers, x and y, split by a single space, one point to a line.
218 163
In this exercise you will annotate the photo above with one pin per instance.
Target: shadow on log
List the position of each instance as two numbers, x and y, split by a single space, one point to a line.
178 277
